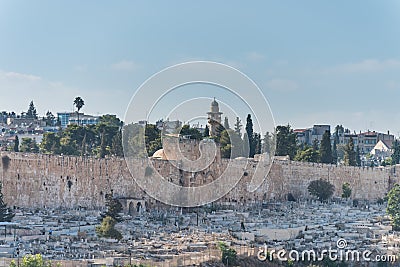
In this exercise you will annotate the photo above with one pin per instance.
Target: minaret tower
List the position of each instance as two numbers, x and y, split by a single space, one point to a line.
214 118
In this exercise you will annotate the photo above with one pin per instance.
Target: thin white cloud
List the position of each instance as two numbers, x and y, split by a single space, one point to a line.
282 85
367 65
15 76
255 56
124 65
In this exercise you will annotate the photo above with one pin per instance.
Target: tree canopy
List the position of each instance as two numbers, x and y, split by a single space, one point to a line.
393 206
285 141
346 190
250 136
325 150
31 113
396 152
350 154
321 189
114 207
107 229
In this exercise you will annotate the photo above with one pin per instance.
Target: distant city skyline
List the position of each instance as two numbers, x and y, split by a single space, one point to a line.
316 62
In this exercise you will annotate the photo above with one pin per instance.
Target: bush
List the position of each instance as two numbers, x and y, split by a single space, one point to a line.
229 256
322 189
107 230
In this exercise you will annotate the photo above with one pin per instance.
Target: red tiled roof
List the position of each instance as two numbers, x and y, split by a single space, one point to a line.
299 130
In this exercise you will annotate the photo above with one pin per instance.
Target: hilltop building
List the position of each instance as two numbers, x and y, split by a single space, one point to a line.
68 118
214 118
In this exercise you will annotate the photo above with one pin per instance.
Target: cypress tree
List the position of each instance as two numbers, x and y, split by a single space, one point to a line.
396 153
350 154
114 207
16 144
325 150
226 123
206 132
334 152
250 135
238 127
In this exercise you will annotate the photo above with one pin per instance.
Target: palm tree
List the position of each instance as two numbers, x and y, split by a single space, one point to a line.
79 103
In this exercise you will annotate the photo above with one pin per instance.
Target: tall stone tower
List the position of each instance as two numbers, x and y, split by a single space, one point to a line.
214 118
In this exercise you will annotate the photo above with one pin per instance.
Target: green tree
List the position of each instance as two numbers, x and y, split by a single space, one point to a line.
257 143
286 141
16 144
393 206
104 133
229 255
346 190
6 214
334 152
226 123
29 145
267 143
325 150
75 138
79 103
206 132
192 132
315 148
116 147
225 144
133 140
50 143
32 261
250 135
218 131
110 120
107 229
50 118
308 154
114 207
238 127
350 154
246 146
321 189
153 139
31 113
103 148
396 152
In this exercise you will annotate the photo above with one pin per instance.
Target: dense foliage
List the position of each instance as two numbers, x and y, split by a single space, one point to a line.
229 256
393 206
321 189
114 208
33 261
107 229
346 190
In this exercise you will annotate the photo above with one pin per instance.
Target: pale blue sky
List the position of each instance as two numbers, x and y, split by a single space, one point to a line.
316 61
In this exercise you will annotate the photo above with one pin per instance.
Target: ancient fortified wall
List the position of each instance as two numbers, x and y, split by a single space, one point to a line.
36 180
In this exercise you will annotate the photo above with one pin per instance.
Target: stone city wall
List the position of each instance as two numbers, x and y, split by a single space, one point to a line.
39 181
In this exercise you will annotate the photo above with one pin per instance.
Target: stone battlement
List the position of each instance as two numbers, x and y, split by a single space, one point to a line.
38 180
